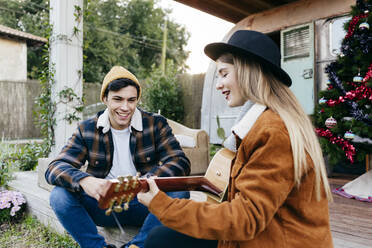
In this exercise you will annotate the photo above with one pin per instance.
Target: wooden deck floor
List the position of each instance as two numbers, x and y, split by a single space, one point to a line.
351 220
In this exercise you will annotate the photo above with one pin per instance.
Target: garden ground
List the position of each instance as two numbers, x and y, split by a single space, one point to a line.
29 233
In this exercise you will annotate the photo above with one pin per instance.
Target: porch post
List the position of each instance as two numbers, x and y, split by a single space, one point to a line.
66 64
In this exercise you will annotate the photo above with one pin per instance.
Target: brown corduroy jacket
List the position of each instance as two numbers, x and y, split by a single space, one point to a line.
264 209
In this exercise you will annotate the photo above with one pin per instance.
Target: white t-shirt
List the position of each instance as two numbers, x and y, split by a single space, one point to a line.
122 163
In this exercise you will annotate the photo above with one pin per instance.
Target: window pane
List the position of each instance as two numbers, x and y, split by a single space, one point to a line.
337 34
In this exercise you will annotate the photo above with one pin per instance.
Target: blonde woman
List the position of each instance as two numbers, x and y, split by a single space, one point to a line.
278 193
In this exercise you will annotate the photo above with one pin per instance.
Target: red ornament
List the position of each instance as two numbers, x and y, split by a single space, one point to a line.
368 74
331 103
330 122
344 144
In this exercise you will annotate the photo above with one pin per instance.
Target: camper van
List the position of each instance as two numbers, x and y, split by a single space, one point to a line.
309 35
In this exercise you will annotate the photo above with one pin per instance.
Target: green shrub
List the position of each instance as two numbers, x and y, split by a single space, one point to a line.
19 157
26 156
213 149
5 173
163 92
6 152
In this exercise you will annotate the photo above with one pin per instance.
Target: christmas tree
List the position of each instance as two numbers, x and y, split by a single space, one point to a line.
343 115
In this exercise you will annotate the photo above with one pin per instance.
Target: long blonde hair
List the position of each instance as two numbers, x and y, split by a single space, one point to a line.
261 86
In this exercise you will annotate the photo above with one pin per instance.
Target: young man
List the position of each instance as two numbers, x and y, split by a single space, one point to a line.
122 140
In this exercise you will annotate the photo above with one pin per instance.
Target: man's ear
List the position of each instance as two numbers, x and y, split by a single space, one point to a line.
105 100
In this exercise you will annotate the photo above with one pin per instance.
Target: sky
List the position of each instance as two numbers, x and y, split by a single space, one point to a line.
203 28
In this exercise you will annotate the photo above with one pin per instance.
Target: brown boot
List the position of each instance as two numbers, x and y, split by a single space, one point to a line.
131 246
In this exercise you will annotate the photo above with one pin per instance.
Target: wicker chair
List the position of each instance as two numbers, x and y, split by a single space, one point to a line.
195 144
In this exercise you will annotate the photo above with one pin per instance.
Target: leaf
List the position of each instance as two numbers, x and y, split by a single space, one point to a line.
221 133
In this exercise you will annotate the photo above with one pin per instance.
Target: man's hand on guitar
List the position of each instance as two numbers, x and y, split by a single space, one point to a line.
146 197
94 187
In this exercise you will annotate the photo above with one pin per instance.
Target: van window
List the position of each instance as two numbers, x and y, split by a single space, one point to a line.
337 34
296 43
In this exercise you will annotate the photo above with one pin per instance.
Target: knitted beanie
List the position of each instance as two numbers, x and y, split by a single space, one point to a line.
117 72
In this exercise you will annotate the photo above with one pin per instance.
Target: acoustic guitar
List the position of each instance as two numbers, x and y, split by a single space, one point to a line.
214 183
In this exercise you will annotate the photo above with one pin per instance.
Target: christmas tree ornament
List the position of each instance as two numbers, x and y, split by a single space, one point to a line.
357 79
330 122
329 84
364 26
322 100
349 135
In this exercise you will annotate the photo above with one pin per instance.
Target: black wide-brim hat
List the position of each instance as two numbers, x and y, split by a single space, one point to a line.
252 45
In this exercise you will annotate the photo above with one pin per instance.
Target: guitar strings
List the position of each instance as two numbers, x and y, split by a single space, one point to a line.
119 225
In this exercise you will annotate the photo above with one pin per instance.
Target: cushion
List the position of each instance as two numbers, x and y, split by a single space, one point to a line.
185 141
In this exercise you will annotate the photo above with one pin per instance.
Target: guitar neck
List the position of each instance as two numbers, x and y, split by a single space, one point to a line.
197 183
124 189
127 190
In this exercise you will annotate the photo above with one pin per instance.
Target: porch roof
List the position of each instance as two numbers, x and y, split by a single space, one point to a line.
232 10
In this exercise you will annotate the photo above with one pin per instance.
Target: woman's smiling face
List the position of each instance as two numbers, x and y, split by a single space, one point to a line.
228 85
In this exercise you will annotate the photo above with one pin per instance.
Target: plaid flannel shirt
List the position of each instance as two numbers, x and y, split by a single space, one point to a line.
155 151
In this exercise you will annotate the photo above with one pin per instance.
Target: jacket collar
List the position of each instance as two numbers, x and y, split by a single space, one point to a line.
245 124
104 121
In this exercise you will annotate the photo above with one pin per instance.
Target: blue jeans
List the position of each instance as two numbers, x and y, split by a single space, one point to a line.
80 215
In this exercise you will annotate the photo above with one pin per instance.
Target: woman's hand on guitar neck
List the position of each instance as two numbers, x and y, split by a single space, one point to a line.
94 187
146 197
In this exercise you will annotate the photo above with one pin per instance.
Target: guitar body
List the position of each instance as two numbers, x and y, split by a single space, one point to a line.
218 173
214 184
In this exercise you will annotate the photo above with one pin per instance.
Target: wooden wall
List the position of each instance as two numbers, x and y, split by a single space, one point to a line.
17 104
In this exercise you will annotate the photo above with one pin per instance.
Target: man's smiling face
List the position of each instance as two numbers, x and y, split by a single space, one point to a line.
121 105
